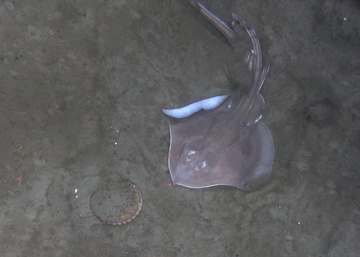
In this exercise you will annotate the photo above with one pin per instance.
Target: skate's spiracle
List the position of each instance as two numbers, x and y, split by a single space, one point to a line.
116 203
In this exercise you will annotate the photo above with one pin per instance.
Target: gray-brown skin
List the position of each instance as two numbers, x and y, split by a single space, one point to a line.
227 145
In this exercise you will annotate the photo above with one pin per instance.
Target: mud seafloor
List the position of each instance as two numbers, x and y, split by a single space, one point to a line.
82 86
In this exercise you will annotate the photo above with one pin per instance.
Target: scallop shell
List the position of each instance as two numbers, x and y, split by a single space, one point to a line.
116 203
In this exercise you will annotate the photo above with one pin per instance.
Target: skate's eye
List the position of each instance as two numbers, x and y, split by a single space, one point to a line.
200 165
190 156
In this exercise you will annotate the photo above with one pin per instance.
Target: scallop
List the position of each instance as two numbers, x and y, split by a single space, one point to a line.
116 203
